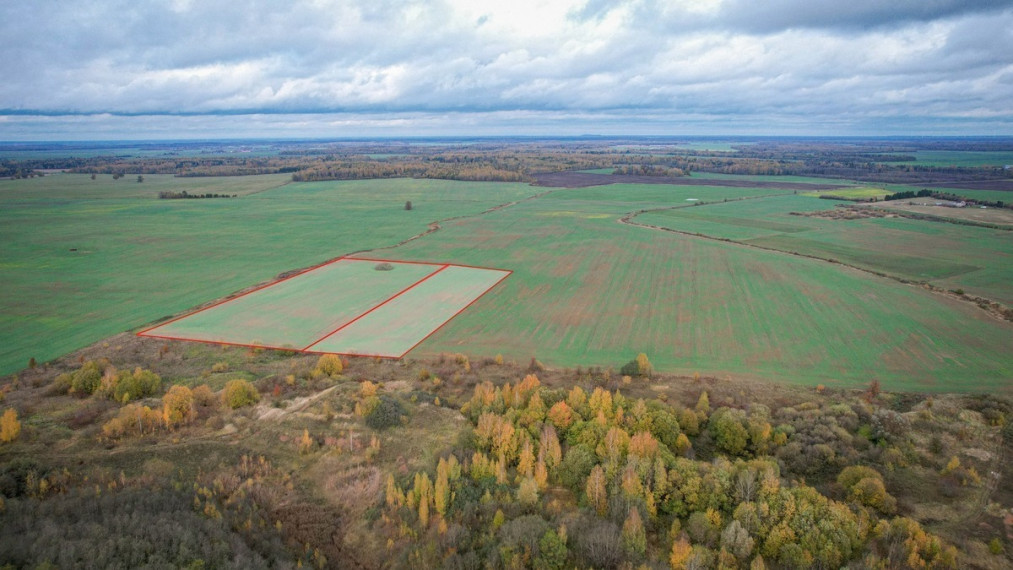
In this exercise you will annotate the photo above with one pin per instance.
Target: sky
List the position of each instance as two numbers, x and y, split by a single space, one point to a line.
193 69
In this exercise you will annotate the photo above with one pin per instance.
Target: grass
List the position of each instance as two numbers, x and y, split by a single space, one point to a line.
397 326
83 260
979 260
960 158
299 311
589 291
586 289
344 307
862 193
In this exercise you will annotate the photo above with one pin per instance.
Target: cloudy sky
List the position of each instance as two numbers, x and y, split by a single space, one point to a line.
99 69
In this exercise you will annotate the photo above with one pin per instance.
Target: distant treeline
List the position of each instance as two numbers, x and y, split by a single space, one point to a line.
184 195
909 194
518 160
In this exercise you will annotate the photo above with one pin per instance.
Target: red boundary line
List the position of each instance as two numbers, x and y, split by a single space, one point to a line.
443 324
427 263
463 309
395 296
509 272
262 287
228 299
223 342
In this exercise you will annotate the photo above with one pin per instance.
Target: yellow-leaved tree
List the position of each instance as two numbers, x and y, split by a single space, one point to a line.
10 427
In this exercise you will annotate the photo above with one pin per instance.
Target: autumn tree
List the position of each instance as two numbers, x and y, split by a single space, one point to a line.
634 536
726 425
736 540
238 393
527 492
305 442
328 365
678 559
597 495
177 406
447 471
138 384
10 427
703 405
561 415
639 366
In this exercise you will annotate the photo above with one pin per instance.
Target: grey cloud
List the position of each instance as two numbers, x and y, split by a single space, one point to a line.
637 62
774 15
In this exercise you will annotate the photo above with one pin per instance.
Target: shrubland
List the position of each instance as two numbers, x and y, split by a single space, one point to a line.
279 459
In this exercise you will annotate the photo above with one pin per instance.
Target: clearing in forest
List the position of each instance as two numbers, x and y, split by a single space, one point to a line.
348 306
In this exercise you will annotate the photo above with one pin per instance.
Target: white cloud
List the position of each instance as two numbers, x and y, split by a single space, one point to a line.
607 62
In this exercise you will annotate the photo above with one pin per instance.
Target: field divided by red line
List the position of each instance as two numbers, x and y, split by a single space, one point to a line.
410 317
349 306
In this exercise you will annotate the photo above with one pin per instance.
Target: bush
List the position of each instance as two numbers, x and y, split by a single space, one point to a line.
328 365
386 413
204 398
86 380
177 404
238 393
136 385
639 366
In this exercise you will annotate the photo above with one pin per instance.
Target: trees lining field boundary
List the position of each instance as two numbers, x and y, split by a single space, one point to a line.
346 306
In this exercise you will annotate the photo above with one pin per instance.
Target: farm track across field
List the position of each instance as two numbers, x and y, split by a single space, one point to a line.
990 306
586 290
585 294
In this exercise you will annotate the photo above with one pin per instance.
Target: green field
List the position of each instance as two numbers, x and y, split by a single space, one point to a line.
984 195
978 260
349 306
400 324
588 290
138 258
299 311
960 158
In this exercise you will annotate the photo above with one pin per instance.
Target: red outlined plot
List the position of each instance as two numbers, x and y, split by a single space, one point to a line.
353 306
402 322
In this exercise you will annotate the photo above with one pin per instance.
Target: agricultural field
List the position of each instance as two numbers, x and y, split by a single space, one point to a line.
951 256
83 259
860 193
400 324
588 290
959 158
349 306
